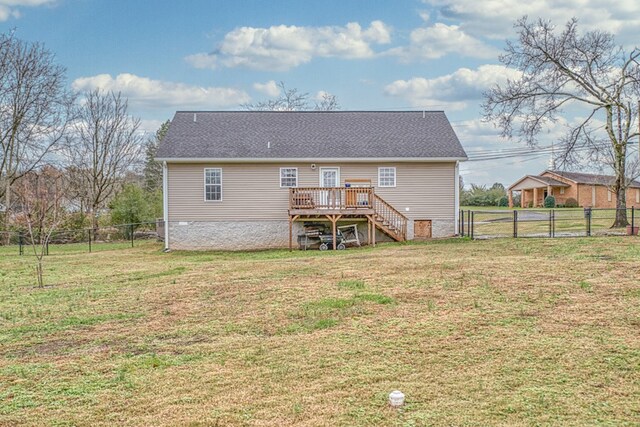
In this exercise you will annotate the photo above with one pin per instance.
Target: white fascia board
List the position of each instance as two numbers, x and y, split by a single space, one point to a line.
313 160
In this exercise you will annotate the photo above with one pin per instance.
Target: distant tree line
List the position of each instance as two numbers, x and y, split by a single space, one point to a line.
481 195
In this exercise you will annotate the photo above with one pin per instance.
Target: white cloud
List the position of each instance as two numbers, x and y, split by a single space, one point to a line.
452 91
11 8
283 47
495 18
439 40
145 92
269 88
150 126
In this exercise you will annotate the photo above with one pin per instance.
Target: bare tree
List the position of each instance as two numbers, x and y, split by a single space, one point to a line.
153 170
35 110
40 195
105 145
327 102
588 73
294 100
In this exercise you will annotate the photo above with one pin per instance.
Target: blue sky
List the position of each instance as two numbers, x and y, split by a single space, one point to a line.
373 55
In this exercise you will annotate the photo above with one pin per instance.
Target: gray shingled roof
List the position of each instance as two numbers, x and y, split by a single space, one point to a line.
549 181
591 179
309 135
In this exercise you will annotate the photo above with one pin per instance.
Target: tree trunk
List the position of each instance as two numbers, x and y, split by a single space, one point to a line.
94 219
7 211
620 187
39 273
621 207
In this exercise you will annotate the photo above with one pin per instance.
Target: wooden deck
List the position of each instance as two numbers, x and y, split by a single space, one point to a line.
336 203
339 199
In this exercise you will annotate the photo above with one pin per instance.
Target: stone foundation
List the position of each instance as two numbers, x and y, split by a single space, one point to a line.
252 235
234 236
442 228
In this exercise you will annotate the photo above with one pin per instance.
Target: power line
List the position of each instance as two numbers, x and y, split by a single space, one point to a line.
523 152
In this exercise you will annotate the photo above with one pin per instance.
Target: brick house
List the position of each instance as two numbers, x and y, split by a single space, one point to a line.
589 190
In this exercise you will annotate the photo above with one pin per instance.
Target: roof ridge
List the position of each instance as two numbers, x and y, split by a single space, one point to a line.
308 111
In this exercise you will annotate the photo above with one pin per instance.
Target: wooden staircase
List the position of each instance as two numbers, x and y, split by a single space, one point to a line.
389 219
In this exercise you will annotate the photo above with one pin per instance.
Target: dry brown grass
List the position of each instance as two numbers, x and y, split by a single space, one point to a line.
504 332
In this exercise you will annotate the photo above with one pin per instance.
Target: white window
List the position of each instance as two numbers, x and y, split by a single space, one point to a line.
288 177
387 177
637 195
561 190
609 195
212 184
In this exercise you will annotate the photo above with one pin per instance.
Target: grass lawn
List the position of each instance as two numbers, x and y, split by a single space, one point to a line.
499 332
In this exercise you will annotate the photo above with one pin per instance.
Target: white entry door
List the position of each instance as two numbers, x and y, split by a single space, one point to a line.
329 177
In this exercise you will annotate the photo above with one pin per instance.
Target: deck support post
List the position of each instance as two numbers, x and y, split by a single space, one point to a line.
372 220
333 226
334 219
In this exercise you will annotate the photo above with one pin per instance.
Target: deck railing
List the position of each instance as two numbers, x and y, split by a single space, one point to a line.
341 198
390 216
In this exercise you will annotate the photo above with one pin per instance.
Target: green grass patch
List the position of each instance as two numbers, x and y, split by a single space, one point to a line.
354 284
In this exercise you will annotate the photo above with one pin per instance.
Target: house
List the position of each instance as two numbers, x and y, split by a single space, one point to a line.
248 180
589 190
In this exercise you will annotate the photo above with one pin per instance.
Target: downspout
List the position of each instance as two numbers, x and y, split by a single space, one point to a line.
456 203
165 204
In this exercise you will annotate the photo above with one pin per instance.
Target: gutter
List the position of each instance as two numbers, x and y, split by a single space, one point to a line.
311 159
165 204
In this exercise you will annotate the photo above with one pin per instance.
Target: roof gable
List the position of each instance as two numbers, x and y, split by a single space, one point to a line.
263 135
535 181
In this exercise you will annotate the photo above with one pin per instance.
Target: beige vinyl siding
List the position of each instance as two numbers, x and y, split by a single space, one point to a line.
252 191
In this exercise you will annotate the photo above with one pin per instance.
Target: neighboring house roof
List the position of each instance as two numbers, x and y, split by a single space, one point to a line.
542 181
589 179
270 135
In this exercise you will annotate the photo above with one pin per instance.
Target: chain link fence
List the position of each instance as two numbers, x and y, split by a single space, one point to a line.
564 222
18 242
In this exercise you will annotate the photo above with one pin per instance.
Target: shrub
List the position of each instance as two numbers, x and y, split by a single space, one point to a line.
503 201
549 202
480 195
530 204
131 206
571 203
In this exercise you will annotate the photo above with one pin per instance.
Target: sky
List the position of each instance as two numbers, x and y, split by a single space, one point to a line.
371 54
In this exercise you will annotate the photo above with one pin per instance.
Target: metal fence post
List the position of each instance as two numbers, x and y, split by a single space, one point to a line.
21 243
553 223
461 222
468 223
131 230
89 233
633 223
472 223
587 213
550 222
515 224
